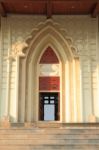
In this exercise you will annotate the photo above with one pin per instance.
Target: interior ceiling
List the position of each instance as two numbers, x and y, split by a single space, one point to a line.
50 7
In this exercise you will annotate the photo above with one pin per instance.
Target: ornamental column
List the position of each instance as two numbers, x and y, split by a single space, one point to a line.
15 56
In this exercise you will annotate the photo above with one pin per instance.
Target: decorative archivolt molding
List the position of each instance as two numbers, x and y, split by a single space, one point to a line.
20 48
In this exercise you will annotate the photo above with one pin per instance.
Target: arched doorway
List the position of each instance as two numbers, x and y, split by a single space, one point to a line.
49 86
49 35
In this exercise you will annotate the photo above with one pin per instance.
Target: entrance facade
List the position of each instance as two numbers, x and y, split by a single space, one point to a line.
49 106
73 74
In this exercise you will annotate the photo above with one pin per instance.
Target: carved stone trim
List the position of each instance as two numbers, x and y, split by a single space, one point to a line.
49 70
49 24
17 49
20 47
75 54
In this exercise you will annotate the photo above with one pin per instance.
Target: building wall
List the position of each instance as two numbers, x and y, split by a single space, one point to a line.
83 30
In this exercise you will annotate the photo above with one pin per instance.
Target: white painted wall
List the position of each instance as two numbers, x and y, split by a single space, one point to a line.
83 31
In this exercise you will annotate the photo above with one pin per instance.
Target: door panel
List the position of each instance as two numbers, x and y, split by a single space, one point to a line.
49 109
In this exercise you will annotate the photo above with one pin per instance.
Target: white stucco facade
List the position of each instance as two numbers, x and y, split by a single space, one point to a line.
82 31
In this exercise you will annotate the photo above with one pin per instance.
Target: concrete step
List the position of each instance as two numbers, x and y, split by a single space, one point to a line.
48 141
51 136
49 131
60 138
50 147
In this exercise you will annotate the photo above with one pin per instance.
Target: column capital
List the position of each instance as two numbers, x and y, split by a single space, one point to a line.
17 50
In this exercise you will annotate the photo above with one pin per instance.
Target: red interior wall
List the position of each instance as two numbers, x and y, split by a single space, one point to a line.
49 57
49 83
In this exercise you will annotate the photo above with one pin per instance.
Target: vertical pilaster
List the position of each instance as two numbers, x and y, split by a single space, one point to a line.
90 85
0 62
29 103
4 69
16 90
68 98
7 106
74 91
8 89
87 81
81 90
22 90
78 91
97 54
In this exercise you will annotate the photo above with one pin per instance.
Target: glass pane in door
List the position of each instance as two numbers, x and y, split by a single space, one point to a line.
49 112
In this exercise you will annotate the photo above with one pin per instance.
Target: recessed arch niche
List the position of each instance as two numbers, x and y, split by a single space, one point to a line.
49 34
49 73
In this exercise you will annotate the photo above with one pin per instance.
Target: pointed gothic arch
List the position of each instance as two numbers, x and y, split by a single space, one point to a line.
49 34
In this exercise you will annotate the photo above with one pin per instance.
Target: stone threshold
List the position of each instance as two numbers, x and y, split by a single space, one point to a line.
55 125
50 124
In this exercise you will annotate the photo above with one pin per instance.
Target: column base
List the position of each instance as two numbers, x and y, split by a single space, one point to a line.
92 118
5 122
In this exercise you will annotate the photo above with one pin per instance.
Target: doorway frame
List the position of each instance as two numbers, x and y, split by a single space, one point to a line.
48 93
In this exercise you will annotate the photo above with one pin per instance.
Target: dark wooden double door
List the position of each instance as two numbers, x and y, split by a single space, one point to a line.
49 106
